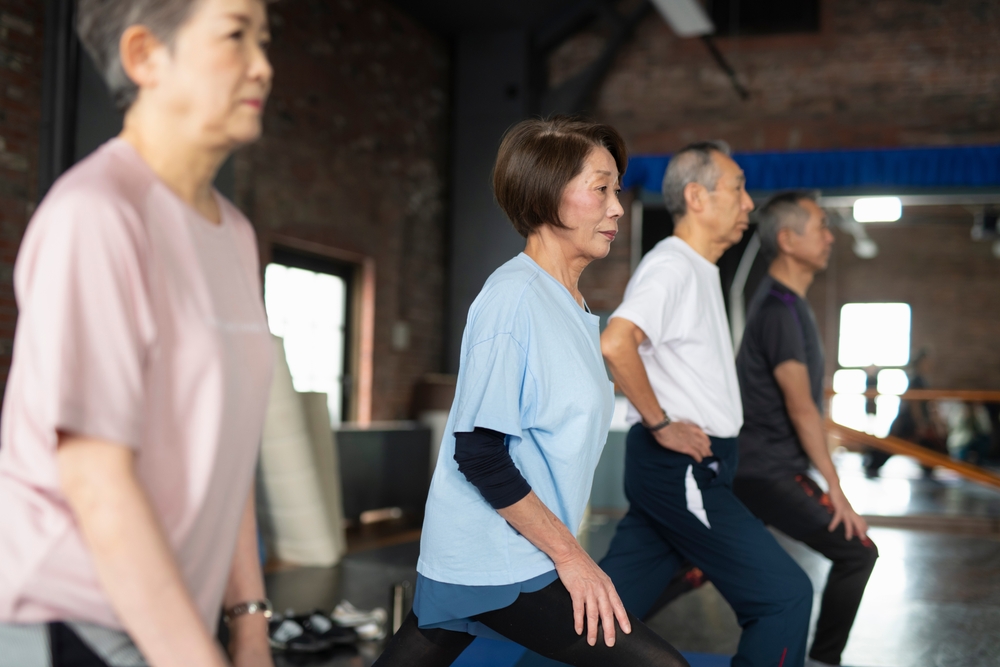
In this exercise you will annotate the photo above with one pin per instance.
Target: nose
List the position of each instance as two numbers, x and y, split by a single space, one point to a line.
260 67
747 202
616 210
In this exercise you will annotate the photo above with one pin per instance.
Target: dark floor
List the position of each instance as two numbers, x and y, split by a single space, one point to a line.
933 601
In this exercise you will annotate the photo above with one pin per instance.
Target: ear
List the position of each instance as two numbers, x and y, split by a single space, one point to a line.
784 239
694 197
140 53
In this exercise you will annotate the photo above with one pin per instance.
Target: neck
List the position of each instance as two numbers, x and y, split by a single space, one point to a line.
700 240
546 249
187 167
792 273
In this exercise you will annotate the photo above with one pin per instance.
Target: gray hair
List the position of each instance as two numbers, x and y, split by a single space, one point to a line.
691 164
782 211
101 24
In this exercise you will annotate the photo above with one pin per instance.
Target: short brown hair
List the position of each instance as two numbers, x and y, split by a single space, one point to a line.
538 158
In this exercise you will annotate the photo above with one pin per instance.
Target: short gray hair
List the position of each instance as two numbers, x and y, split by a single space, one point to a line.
782 211
691 164
101 24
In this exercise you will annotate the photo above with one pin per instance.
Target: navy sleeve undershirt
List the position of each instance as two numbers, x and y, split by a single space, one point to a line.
483 458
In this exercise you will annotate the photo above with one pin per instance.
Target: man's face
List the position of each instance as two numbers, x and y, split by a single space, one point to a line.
728 206
813 245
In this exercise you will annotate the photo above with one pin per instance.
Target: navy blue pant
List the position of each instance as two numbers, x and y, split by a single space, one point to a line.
683 510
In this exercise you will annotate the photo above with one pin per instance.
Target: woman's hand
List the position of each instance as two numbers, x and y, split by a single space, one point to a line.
594 597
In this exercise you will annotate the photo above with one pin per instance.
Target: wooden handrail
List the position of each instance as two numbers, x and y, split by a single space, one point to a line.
974 395
894 445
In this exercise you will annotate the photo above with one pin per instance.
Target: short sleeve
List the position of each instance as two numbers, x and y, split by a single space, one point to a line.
652 299
86 323
492 393
780 334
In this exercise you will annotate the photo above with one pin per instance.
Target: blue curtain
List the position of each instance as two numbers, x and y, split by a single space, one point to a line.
947 167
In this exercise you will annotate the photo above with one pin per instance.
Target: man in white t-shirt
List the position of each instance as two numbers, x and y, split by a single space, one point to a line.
669 349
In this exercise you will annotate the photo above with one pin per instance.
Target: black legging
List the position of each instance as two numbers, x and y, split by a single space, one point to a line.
542 622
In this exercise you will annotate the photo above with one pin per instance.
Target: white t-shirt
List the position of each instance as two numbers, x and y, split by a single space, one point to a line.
675 297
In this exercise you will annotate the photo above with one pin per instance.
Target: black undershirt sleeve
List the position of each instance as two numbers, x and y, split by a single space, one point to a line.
483 458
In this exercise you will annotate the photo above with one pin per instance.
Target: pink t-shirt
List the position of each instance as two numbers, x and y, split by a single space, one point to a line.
140 323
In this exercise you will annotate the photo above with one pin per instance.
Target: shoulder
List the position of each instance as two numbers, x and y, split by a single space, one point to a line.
772 308
665 264
775 320
103 193
93 211
241 225
501 305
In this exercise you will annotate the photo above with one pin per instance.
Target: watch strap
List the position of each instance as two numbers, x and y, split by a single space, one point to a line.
263 607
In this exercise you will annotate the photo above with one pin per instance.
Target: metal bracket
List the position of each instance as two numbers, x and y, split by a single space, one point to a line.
575 95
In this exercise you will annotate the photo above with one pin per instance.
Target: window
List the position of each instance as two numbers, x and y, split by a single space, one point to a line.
873 336
307 305
759 17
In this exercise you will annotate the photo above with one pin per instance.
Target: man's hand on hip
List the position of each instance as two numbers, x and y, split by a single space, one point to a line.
685 439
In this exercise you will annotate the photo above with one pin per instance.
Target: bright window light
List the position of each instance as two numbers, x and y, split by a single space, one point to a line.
878 209
874 334
850 381
849 410
886 409
308 310
892 381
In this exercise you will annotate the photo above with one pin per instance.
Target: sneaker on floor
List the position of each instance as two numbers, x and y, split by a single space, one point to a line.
370 631
312 633
286 634
319 625
347 615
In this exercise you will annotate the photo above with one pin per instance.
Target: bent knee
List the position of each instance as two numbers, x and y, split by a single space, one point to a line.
800 590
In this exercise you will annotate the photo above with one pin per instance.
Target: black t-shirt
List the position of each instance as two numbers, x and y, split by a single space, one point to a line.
780 326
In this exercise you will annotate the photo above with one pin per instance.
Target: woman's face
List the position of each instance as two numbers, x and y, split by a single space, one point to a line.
590 208
216 78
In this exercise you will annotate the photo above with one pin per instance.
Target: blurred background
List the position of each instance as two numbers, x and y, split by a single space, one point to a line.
370 195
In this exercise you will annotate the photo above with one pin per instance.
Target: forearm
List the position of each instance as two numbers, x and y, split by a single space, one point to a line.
132 558
246 584
630 375
536 522
809 427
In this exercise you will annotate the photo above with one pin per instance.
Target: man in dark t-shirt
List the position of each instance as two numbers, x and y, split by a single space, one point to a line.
780 371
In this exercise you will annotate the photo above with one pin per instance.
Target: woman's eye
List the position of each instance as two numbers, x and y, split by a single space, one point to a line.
238 35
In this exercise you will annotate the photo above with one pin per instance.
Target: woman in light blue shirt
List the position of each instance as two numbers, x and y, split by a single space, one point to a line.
498 553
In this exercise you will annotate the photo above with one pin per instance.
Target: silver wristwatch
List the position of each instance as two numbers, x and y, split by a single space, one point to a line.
253 607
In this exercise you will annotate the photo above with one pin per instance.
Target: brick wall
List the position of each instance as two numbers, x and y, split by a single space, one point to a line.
891 73
353 157
950 282
21 47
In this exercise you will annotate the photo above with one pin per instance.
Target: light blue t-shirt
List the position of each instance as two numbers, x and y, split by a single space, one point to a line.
530 367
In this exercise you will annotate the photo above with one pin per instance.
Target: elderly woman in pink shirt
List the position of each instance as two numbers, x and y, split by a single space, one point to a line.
141 364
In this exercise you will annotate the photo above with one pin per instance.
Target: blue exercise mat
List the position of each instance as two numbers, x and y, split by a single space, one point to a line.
491 653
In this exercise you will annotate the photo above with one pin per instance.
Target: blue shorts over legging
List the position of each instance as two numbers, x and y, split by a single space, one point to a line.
769 592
